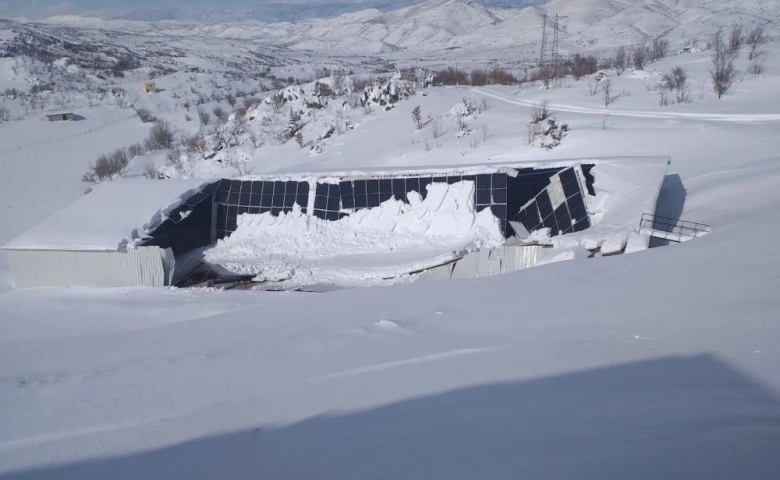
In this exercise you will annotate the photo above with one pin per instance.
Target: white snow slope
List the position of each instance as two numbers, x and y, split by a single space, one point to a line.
658 364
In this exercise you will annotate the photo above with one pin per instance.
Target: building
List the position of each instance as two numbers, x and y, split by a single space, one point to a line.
149 87
153 232
60 117
94 242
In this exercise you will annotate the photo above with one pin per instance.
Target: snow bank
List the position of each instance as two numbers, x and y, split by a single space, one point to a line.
382 242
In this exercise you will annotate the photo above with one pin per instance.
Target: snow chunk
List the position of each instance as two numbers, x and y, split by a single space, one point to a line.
382 242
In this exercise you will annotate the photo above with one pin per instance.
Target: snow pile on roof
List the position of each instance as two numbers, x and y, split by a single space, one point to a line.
369 244
111 216
625 189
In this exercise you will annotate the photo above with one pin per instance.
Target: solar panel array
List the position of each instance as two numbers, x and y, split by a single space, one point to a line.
234 197
334 200
560 212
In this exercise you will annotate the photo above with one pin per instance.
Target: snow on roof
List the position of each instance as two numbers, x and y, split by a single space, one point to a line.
113 215
625 187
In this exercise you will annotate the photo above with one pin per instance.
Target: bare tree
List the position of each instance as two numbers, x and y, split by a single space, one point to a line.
640 57
145 115
160 136
659 48
220 113
231 99
621 60
417 118
540 111
606 91
735 38
204 117
299 138
723 71
675 80
754 38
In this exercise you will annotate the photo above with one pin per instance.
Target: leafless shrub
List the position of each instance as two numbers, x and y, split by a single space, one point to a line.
4 115
621 60
593 88
659 49
220 113
451 76
754 38
231 99
534 131
606 91
460 121
723 71
582 66
474 143
250 102
485 131
136 150
478 77
151 172
256 141
675 80
322 89
640 55
194 144
436 128
367 109
145 115
417 118
540 111
277 101
500 76
683 95
160 136
107 167
483 106
174 159
735 38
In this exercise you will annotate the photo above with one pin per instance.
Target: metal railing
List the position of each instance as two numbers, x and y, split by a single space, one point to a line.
673 229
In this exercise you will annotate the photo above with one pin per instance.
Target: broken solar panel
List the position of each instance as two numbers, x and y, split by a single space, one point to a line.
234 197
335 200
559 207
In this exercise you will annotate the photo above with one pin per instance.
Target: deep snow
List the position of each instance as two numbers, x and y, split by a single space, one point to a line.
658 364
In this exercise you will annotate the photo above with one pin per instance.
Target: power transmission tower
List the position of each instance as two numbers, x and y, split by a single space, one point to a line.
551 59
543 55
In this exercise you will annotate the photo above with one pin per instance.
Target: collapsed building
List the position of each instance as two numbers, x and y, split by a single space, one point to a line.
340 228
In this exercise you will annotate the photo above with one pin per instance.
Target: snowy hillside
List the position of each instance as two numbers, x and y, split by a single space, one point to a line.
463 29
662 363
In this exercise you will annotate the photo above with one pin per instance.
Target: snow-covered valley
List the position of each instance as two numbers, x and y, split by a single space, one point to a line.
657 364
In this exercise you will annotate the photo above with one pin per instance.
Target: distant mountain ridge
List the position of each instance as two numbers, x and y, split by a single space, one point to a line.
468 29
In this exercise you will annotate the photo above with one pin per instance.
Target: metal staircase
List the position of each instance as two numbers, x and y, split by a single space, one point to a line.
672 229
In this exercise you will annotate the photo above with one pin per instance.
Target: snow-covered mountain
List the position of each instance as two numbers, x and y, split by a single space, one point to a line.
440 26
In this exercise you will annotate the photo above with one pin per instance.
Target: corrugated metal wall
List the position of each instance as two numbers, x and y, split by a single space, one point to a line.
142 266
486 263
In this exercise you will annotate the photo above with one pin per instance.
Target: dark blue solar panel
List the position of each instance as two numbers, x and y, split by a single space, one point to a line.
550 223
291 188
399 186
453 179
532 217
498 180
545 206
385 186
257 188
242 209
233 198
279 187
320 203
439 179
222 196
372 186
483 197
235 185
499 195
562 217
483 182
412 185
334 204
244 197
361 200
289 200
373 200
469 178
266 200
424 182
582 225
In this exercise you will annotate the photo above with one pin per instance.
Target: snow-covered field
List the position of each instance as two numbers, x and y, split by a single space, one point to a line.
658 364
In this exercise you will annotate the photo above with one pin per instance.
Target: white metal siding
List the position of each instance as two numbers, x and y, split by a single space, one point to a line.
142 266
486 263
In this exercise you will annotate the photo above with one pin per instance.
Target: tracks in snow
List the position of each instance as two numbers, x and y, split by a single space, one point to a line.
707 117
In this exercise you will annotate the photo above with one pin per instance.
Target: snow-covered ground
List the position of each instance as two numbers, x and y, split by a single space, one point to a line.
658 364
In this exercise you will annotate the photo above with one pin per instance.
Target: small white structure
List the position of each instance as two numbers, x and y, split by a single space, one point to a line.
95 241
